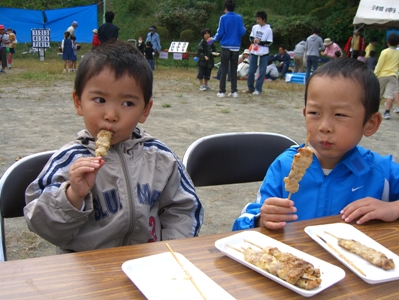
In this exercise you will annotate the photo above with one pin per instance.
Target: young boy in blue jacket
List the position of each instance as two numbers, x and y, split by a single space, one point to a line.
341 106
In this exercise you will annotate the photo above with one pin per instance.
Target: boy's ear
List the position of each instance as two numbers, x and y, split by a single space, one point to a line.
373 124
77 103
146 112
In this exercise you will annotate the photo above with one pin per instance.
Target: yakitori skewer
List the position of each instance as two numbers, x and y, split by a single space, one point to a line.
342 256
103 142
373 256
286 266
301 162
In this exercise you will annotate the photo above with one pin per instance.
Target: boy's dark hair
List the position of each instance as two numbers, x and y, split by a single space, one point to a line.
109 16
67 34
148 44
120 57
373 53
270 61
205 30
315 30
393 39
261 14
230 5
282 47
337 54
359 73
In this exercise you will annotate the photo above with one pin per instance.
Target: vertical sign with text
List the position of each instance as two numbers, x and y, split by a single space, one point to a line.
40 38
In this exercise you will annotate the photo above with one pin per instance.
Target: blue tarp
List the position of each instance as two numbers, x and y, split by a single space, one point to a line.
57 20
21 20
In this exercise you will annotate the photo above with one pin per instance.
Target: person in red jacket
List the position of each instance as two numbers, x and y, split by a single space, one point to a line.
354 45
95 42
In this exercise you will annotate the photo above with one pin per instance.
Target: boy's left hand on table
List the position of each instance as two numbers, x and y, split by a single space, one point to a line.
367 209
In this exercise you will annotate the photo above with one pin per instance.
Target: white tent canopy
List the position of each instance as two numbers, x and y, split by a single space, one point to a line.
381 13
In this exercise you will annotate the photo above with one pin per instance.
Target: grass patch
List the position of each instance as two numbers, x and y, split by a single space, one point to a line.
166 105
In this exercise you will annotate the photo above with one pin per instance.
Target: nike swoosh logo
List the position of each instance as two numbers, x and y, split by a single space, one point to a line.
355 189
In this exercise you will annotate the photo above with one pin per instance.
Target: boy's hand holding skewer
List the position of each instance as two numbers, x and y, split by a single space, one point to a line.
84 171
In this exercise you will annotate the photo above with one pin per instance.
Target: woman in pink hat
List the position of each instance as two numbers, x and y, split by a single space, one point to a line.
331 48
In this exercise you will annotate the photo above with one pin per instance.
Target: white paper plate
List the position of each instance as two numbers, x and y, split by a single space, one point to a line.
346 231
161 277
215 53
330 274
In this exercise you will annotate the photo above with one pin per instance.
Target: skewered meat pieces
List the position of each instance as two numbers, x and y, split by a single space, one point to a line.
103 142
371 255
284 265
301 162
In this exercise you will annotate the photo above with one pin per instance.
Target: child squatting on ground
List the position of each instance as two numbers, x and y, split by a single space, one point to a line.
139 192
342 99
205 59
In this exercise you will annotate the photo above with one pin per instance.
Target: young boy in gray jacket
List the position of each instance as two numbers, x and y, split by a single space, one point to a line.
139 192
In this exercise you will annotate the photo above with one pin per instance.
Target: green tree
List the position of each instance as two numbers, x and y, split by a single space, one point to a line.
178 15
44 4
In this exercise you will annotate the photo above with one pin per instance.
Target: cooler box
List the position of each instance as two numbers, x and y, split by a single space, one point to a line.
298 78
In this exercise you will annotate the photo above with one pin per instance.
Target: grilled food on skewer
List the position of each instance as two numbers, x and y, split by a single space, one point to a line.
286 266
103 142
301 162
373 256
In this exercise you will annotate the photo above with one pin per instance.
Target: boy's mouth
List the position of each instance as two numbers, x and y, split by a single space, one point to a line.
325 144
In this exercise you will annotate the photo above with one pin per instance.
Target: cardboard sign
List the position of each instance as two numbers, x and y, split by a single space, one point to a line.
163 55
177 56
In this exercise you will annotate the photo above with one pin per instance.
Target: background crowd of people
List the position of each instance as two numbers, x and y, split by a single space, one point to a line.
255 64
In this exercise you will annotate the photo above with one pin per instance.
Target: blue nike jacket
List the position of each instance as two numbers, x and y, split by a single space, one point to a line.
361 173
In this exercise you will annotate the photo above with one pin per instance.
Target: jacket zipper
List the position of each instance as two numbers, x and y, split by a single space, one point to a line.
130 196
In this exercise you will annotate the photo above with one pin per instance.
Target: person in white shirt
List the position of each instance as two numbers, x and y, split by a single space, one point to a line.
71 29
262 37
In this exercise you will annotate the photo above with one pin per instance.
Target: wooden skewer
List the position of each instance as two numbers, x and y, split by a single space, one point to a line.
332 235
341 255
249 242
307 139
227 245
306 144
185 271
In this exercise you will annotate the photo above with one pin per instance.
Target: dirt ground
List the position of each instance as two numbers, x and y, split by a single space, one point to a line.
36 119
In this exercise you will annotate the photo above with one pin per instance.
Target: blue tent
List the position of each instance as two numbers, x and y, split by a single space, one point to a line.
57 20
21 20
